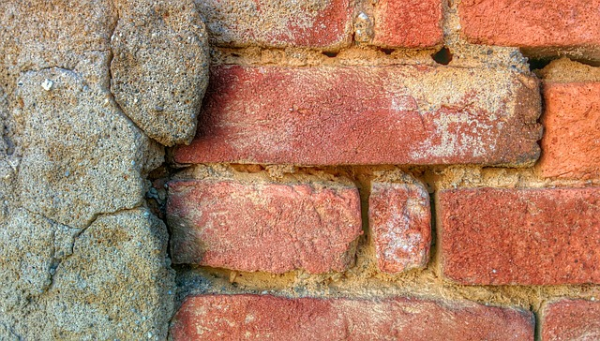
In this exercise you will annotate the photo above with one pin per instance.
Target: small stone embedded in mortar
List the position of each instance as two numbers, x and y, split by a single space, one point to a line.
160 68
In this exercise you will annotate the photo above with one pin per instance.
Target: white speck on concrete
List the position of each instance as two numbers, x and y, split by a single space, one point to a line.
47 84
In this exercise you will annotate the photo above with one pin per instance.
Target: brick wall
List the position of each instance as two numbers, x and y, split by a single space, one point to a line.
391 169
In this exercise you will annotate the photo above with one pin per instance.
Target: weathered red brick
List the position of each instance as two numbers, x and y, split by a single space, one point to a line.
367 115
571 142
322 24
400 221
264 226
253 317
569 320
533 23
408 23
520 236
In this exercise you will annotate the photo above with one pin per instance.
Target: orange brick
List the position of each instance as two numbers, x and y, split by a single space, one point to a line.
532 23
264 226
494 236
408 23
366 115
571 142
253 317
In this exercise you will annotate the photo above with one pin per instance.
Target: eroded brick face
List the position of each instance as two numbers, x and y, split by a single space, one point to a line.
571 320
534 24
495 236
264 226
408 23
253 317
366 115
400 221
571 121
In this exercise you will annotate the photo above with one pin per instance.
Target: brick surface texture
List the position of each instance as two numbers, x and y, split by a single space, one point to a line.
264 226
253 317
400 221
326 169
571 120
534 23
568 320
366 115
312 23
494 236
408 23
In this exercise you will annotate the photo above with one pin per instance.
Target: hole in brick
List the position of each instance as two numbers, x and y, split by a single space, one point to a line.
443 56
330 54
387 51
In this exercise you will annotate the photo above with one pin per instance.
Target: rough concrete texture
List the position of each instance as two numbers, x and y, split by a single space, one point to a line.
400 222
7 162
261 225
6 334
265 317
570 320
66 34
491 236
160 67
80 259
112 282
312 23
81 156
367 115
32 247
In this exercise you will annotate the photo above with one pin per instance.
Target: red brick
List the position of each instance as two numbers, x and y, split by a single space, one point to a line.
571 142
570 320
366 115
520 236
533 23
253 317
263 226
321 24
400 221
408 23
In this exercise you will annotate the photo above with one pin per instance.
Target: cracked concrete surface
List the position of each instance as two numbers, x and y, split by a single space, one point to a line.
81 257
69 171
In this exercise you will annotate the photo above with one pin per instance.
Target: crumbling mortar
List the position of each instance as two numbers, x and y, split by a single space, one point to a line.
477 57
364 280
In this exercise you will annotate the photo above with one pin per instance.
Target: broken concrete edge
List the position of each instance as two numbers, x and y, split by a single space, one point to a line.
164 101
